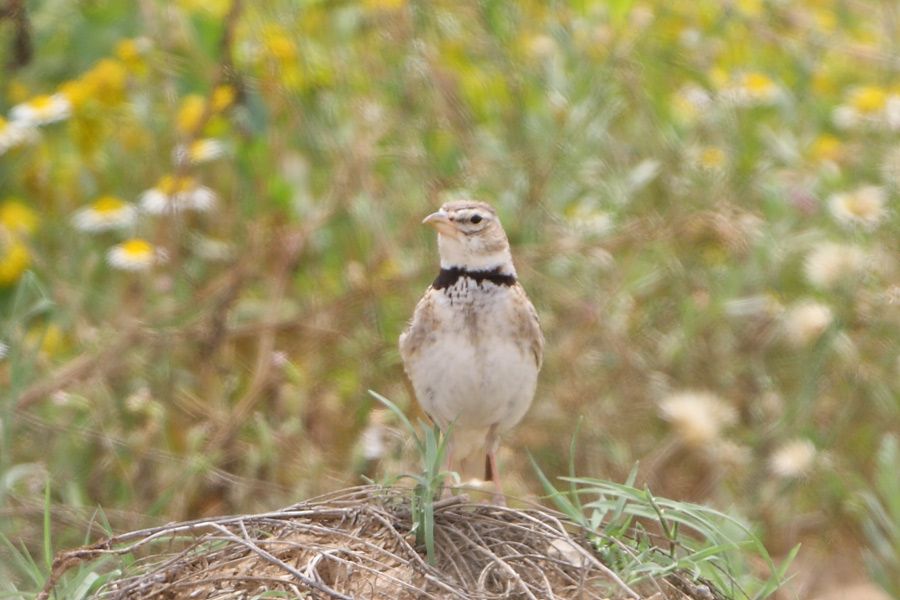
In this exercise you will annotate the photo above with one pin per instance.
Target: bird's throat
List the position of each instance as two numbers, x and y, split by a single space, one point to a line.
447 277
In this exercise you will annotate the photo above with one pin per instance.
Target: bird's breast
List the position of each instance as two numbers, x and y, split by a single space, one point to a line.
474 370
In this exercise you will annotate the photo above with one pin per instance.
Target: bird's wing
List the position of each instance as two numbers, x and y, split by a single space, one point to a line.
418 329
530 326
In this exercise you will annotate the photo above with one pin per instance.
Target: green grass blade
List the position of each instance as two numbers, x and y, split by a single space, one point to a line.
562 502
403 419
48 542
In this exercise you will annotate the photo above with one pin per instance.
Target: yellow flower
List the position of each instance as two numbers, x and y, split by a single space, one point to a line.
76 91
222 97
200 151
826 148
104 214
280 46
712 158
384 4
214 8
132 53
14 258
49 340
759 85
751 8
190 114
134 255
868 100
168 185
106 81
825 19
127 50
718 77
17 217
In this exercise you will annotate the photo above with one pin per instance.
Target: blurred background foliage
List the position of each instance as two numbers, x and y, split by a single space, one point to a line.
210 241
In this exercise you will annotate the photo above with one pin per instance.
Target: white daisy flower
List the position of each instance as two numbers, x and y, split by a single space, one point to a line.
753 89
4 350
698 98
697 417
199 151
806 321
174 194
711 159
830 263
868 105
793 459
41 110
105 214
15 133
134 255
863 206
846 117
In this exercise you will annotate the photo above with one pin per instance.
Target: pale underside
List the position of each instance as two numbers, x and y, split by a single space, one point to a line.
472 353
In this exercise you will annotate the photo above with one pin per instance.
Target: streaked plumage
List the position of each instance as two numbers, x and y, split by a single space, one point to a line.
473 348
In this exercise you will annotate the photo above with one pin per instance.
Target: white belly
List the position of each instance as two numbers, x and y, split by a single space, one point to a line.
476 371
474 386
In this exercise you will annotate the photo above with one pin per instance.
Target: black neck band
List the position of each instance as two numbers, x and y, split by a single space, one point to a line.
447 277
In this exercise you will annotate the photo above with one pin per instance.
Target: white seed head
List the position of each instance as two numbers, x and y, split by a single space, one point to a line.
806 321
830 263
793 459
698 418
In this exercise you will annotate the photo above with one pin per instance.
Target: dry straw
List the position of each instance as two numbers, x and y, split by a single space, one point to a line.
358 543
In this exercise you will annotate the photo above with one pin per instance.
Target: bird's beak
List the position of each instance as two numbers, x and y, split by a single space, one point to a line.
440 221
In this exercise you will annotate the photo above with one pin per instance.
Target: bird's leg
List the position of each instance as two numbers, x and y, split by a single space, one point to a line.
453 475
491 472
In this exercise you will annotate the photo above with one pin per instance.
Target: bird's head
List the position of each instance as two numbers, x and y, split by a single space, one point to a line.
470 237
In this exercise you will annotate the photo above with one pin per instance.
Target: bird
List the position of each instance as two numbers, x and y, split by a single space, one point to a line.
474 345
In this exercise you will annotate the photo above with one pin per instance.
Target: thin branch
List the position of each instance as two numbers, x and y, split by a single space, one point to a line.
312 583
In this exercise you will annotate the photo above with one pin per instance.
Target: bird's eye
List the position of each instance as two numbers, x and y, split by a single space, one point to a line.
475 219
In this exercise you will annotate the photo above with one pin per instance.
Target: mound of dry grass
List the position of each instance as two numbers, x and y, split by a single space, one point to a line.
358 543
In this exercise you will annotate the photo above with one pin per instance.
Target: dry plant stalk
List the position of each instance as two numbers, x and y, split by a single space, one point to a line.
357 543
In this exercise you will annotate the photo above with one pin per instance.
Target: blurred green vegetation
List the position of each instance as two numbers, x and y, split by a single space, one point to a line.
210 241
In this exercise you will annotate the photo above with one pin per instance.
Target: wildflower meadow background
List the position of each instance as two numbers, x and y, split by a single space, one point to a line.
210 240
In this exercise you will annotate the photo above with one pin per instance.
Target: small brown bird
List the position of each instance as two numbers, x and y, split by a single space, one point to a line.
474 346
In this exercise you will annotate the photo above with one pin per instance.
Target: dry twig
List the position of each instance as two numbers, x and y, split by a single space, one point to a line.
356 543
